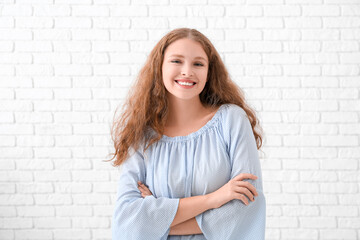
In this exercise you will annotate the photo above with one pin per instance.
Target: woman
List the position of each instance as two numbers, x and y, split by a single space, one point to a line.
187 143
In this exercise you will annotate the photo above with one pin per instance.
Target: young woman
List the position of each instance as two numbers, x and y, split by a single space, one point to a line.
187 143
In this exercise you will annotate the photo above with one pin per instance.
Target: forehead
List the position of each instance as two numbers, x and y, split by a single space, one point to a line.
186 48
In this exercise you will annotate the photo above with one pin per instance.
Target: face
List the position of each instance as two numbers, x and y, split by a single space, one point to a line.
184 69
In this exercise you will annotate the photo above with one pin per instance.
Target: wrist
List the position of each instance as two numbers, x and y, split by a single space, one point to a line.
211 200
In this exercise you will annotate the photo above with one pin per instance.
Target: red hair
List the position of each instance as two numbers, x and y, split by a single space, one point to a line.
146 105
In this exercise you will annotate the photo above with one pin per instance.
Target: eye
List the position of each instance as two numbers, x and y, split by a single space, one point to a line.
175 61
199 64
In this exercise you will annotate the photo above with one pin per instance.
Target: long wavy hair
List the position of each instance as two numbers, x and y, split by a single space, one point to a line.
146 105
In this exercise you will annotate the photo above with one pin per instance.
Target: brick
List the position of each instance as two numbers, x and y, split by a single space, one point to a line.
34 70
83 82
93 105
16 200
318 176
341 70
15 34
51 129
52 176
73 164
301 141
90 199
14 223
43 10
17 176
318 199
35 211
16 10
304 164
34 22
299 234
288 199
338 187
74 211
319 129
339 141
338 234
349 199
73 187
350 105
34 164
301 211
272 187
24 129
7 187
91 223
133 11
16 58
91 128
53 200
89 176
71 46
351 152
113 46
34 187
321 11
33 117
103 211
101 187
337 211
343 117
7 212
282 222
301 117
300 187
301 22
264 23
52 152
90 11
52 223
6 118
6 46
279 105
111 70
52 105
319 105
318 222
33 234
72 117
349 82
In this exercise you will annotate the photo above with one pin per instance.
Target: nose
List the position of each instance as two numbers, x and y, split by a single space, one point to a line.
186 70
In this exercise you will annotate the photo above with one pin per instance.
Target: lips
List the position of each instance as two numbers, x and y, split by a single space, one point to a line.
184 80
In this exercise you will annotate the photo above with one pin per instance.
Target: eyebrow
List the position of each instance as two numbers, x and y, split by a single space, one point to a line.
178 55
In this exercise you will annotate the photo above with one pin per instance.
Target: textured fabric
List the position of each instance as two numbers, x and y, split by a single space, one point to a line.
192 165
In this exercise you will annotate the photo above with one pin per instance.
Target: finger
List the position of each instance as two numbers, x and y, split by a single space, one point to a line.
242 198
248 186
243 176
246 192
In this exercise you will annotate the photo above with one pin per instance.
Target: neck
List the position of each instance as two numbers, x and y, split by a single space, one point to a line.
183 112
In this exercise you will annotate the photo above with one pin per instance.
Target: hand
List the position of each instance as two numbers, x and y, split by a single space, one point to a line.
236 188
144 190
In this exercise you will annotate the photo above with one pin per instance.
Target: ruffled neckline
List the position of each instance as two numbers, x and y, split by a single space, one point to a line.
196 133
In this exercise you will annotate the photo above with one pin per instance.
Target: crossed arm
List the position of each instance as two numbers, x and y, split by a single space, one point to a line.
185 223
188 227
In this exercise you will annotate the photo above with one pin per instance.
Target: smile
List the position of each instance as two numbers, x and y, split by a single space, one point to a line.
185 84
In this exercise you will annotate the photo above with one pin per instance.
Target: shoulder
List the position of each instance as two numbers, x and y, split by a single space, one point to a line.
233 112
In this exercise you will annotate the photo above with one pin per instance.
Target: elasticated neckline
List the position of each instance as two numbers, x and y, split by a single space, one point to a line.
197 133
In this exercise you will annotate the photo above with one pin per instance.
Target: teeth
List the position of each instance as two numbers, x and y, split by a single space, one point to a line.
186 83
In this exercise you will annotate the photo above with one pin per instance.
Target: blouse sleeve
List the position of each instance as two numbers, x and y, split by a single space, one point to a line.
235 220
136 217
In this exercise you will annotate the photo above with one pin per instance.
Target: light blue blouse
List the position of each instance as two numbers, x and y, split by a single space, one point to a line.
192 165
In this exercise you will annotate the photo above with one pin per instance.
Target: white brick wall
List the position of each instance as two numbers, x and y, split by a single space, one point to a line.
66 64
